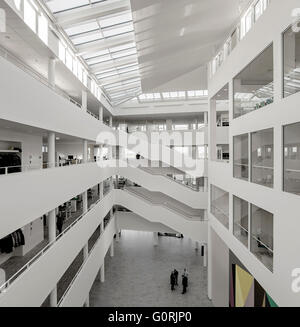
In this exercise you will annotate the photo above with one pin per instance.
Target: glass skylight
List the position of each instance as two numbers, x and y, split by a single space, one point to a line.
116 63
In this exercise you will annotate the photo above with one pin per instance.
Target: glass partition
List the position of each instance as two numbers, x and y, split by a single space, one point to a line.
291 174
291 55
262 158
262 235
253 87
241 157
240 220
219 205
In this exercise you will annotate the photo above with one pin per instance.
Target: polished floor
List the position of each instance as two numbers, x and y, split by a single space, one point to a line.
139 273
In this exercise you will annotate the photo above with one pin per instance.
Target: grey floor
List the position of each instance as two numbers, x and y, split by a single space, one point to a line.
139 273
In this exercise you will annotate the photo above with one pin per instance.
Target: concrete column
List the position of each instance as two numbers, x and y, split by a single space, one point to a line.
85 151
206 118
52 237
155 238
101 114
112 249
51 72
84 100
53 298
102 273
51 150
212 129
205 255
85 252
111 183
87 302
84 202
101 191
209 261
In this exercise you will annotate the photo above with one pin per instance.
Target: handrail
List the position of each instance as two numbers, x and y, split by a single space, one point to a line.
146 169
81 267
39 77
41 166
4 286
164 204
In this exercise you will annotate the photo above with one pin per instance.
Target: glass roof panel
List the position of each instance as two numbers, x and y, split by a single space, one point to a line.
117 30
60 5
115 20
82 28
87 38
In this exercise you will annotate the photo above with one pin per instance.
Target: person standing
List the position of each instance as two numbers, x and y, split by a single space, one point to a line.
184 283
172 281
176 277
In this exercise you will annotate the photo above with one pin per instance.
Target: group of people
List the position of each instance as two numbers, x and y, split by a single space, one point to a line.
174 280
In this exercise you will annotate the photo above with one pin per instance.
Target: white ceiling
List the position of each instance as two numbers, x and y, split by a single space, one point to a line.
177 37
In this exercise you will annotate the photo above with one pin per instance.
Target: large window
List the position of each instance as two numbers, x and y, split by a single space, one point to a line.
241 157
262 235
253 87
220 205
240 220
292 158
291 42
262 157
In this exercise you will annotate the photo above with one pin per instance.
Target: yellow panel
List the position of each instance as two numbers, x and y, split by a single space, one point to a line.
243 286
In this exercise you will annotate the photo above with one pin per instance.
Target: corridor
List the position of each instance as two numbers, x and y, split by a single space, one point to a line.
139 273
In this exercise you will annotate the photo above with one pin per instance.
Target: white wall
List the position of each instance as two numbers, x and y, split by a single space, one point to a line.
219 270
284 206
132 221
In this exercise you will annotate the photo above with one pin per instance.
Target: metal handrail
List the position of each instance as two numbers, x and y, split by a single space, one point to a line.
39 77
4 286
173 179
42 166
81 267
165 204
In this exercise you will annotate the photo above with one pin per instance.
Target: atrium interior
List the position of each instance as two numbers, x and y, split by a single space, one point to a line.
149 153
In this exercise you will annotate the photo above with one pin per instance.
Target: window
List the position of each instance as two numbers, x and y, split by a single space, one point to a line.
262 235
241 157
29 15
262 158
253 87
219 205
291 46
240 220
291 174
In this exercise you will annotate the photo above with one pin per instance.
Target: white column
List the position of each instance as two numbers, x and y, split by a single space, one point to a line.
112 249
51 72
51 150
84 202
102 273
204 254
87 301
206 118
169 124
52 237
212 129
209 272
155 238
102 227
111 183
84 100
101 114
85 252
101 191
85 151
110 121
